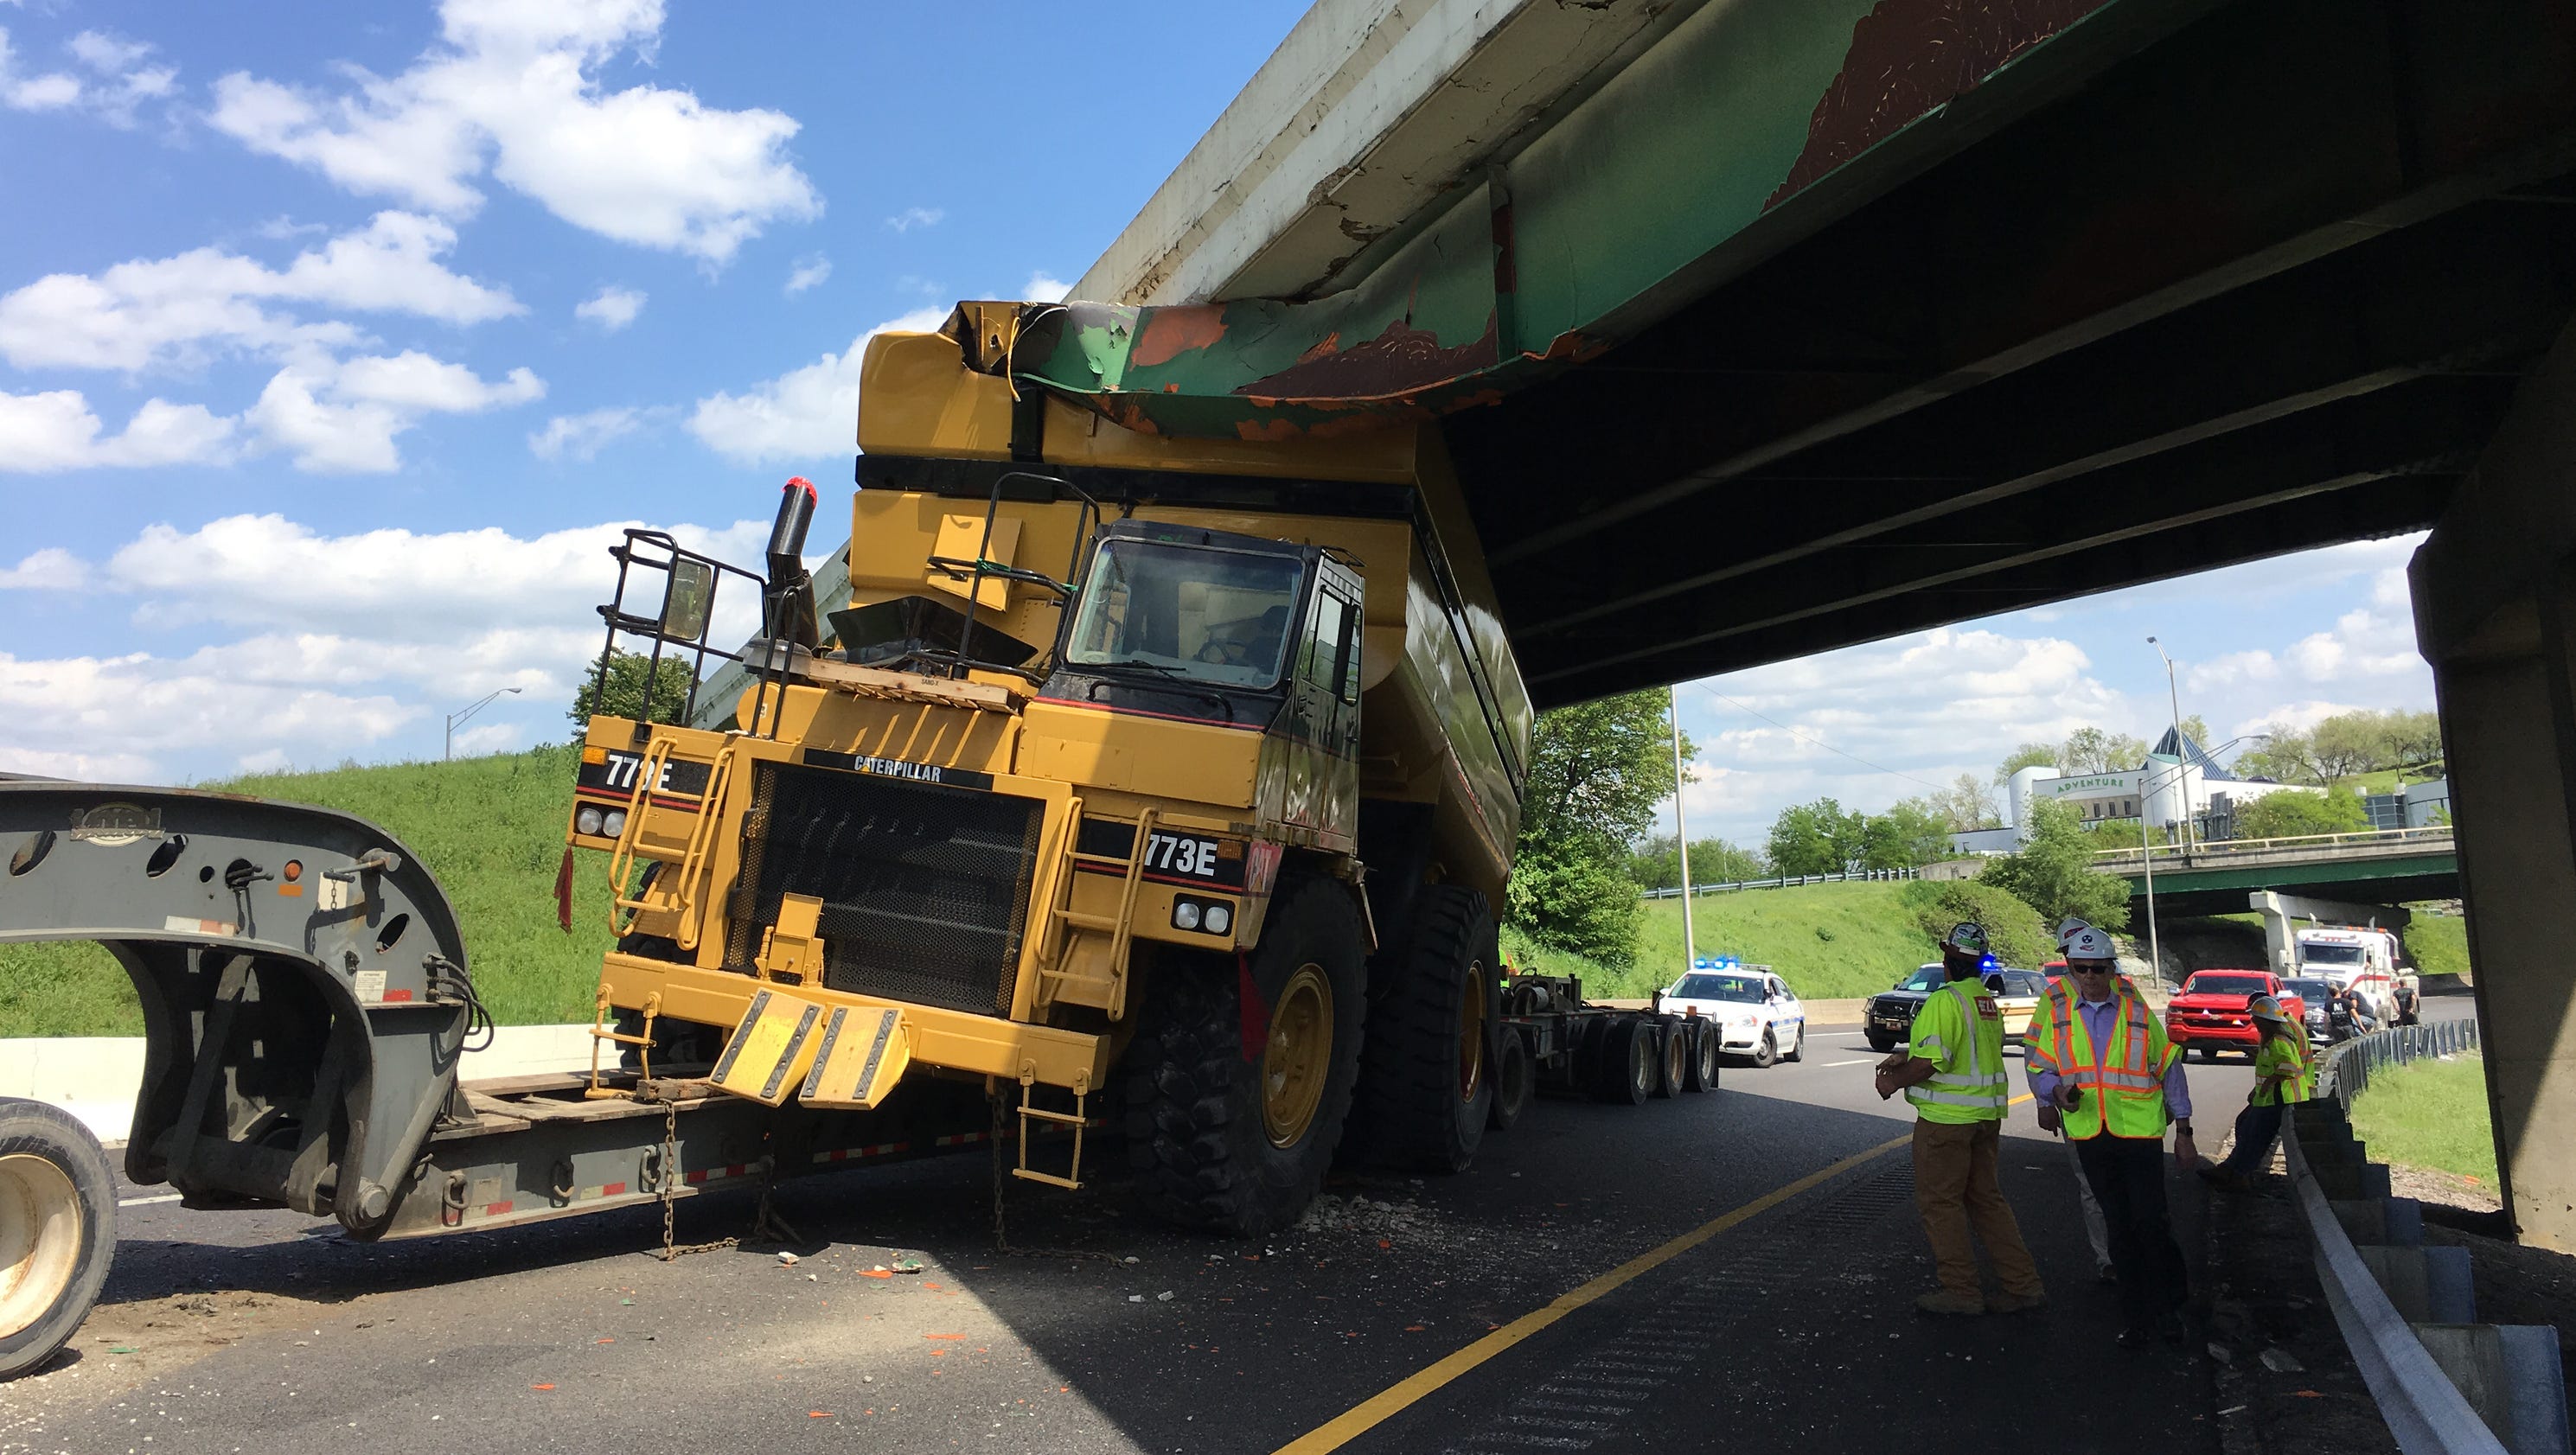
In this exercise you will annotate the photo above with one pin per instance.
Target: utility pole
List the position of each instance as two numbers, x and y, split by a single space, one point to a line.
1681 833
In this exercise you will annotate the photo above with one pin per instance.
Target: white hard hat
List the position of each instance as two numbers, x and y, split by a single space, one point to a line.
2088 943
2067 928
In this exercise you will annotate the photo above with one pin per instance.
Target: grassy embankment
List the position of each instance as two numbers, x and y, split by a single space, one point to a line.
2430 1114
1875 938
491 829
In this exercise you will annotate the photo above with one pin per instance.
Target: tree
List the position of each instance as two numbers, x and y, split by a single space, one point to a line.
2028 755
2412 741
2287 815
2196 730
1598 771
2053 872
2091 750
2285 758
1965 806
1815 838
2345 744
1908 836
628 672
1712 861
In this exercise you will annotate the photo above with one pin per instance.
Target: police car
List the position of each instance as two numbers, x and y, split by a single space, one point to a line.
1757 1015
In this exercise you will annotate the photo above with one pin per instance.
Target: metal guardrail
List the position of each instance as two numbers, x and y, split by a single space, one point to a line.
1786 881
2219 849
2345 1072
2424 1408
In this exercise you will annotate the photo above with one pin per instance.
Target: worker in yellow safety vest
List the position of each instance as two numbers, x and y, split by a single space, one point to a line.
2102 1071
1952 1070
2283 1076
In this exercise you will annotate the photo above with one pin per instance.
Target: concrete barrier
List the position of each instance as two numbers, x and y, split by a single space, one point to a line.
96 1078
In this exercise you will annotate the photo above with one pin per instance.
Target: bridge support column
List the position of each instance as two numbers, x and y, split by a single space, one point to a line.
2495 612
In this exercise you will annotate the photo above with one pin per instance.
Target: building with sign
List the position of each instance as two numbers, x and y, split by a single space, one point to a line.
2178 783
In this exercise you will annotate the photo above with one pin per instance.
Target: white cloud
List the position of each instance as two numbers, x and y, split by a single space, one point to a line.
118 82
807 272
342 419
419 623
583 436
176 311
497 737
1043 289
2227 671
50 569
55 430
912 217
510 88
612 308
805 414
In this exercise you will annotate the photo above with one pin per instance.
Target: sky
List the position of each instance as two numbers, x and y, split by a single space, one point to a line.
337 344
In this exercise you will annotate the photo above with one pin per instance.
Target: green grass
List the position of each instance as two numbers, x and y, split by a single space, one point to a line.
2430 1114
1869 939
2439 944
491 829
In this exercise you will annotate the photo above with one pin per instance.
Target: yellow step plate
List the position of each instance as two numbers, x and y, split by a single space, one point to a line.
765 1053
865 1052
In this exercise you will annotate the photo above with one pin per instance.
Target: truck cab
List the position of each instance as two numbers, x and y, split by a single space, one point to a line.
2361 960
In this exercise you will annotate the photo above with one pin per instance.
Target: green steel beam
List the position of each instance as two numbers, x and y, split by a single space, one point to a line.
1751 126
2287 876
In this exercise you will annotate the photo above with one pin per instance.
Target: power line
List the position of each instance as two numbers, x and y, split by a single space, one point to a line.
1817 742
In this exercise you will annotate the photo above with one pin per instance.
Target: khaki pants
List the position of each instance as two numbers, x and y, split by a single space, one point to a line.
1955 1186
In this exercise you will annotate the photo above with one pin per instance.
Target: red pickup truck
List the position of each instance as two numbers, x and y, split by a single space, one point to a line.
2209 1015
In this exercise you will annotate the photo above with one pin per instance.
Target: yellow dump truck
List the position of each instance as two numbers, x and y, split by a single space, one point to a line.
1152 783
1175 777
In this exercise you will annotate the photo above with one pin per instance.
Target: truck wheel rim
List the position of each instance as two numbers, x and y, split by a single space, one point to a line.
40 1239
1471 1035
1300 1053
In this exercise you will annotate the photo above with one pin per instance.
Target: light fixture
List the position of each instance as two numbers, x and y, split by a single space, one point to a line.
586 820
1185 914
1219 919
614 824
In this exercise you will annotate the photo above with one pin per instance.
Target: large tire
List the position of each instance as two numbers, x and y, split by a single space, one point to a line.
57 1231
675 1042
1704 1057
1672 1057
1240 1144
1426 1067
1628 1069
1881 1044
1515 1082
1797 1045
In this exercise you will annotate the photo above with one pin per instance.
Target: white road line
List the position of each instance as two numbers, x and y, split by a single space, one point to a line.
140 1201
1863 1061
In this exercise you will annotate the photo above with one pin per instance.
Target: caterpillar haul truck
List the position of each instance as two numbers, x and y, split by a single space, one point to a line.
1141 782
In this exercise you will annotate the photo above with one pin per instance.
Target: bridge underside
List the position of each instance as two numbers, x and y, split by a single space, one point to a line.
2267 284
2392 881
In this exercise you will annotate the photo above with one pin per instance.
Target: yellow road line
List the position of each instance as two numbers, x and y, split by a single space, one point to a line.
1367 1415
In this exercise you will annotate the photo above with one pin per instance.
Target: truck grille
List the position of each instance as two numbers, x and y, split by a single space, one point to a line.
925 888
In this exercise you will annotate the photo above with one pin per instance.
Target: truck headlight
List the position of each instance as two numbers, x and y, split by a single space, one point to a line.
585 820
1219 919
1185 914
614 824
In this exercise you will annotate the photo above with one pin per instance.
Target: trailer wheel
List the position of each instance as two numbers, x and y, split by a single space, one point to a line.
1426 1067
1238 1143
1628 1068
57 1231
1514 1082
1672 1059
1704 1058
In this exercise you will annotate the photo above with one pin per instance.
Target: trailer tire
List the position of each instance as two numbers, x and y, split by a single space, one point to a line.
1426 1086
1515 1082
1209 1148
1704 1058
1672 1059
57 1231
1628 1063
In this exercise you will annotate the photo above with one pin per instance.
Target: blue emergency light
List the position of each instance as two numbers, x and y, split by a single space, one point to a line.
1720 962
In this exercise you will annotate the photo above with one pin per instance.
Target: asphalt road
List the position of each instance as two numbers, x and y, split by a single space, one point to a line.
1788 1326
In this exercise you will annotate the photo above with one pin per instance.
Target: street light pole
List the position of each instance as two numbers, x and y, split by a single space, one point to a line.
2147 853
1681 832
448 753
2182 755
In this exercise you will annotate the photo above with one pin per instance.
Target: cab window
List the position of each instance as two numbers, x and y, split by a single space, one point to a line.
1216 616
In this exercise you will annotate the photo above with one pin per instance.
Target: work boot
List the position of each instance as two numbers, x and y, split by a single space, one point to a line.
1943 1301
2016 1303
2105 1273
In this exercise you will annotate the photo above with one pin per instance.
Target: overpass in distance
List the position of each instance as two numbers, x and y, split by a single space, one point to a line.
1755 328
2385 866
